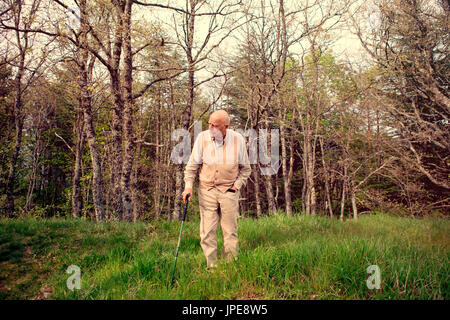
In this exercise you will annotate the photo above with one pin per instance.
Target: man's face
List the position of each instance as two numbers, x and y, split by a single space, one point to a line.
217 128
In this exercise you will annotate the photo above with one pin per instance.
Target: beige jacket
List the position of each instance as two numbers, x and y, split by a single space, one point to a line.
221 165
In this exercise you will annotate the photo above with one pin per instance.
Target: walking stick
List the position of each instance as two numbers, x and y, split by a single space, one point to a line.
179 237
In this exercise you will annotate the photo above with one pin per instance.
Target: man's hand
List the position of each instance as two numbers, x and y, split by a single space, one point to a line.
185 193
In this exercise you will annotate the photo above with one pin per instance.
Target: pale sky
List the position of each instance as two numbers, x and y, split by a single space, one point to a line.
344 44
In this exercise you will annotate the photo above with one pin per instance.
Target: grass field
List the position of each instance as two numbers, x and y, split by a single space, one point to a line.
300 257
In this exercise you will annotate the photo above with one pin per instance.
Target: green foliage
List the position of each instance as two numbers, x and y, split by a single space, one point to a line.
297 205
5 126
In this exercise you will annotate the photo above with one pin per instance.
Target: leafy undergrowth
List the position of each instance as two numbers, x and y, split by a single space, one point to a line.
300 257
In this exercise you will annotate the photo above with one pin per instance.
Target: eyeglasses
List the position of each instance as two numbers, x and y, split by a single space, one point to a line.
213 125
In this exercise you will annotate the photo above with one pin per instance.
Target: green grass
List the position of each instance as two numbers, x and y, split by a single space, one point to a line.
300 257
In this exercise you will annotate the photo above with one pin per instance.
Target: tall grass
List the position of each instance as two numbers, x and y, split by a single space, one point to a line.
299 257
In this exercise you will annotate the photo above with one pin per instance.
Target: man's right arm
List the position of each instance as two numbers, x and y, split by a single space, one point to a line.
194 163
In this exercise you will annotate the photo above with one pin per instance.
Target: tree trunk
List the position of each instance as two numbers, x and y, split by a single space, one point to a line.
97 177
116 152
176 214
189 34
308 192
291 170
353 197
134 182
268 183
286 182
344 188
169 197
270 197
158 157
77 199
311 192
117 113
35 164
18 119
129 143
255 172
305 204
327 179
307 171
244 202
12 167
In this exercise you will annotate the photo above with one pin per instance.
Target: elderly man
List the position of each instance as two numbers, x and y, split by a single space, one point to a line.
222 157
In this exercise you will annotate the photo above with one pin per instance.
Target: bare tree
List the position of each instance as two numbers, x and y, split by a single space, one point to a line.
86 105
411 49
27 70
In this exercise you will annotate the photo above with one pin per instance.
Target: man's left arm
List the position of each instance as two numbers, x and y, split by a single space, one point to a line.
244 166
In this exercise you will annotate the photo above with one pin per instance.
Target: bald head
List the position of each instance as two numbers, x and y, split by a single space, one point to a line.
221 116
219 122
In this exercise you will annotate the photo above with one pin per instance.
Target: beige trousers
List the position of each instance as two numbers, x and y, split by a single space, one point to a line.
210 215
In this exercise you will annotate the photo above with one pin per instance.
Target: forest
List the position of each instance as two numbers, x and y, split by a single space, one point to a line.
345 105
